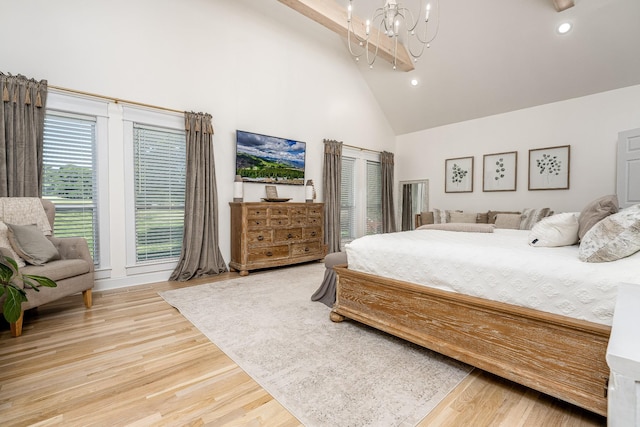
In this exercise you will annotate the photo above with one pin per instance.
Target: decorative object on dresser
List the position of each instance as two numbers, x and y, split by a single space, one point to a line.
238 189
266 235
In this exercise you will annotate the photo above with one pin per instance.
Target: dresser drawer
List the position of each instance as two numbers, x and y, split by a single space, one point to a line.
287 234
298 211
257 212
307 248
279 221
257 223
258 254
278 212
311 233
259 236
299 221
315 211
314 220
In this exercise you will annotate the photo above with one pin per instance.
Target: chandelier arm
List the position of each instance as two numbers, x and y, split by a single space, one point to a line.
435 34
375 54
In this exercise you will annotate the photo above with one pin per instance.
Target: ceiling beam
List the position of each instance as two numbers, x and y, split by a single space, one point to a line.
561 5
331 15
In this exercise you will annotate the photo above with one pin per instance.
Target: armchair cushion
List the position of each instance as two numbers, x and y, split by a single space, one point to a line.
30 243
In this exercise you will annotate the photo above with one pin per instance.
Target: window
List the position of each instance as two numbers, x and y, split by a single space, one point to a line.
69 176
159 170
360 211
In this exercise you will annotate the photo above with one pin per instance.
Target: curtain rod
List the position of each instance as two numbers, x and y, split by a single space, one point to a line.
116 100
360 148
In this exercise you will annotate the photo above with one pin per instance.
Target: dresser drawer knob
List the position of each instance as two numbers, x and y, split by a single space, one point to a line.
306 249
261 238
289 236
269 253
313 234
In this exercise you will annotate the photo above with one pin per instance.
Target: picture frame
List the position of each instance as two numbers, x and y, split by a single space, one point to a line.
500 171
549 168
458 175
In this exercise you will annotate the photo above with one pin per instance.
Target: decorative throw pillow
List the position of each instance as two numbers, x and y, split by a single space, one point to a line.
462 217
482 218
556 230
531 216
426 217
491 215
5 244
615 237
460 226
511 221
441 216
595 212
31 244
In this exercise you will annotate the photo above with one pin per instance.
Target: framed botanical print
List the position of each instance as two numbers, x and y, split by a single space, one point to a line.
549 168
500 171
458 176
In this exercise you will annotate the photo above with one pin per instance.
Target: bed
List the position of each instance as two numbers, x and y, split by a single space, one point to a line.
536 316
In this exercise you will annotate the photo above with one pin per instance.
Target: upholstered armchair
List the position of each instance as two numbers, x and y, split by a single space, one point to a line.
71 268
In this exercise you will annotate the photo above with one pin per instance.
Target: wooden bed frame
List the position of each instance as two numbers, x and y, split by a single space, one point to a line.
554 354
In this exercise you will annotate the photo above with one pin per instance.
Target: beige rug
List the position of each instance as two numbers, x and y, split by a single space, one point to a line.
324 373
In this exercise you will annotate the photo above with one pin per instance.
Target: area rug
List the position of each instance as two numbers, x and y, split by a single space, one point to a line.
324 373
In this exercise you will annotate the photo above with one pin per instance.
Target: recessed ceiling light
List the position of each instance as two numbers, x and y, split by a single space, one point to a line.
414 82
564 28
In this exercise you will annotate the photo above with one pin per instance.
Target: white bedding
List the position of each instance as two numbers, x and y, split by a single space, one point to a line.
499 266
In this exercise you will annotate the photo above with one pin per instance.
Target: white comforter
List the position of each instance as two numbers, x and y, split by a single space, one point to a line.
500 266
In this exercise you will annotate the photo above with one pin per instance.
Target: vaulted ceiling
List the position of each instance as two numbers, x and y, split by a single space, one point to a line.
495 56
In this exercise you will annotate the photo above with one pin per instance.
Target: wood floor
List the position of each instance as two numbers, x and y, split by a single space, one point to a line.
134 360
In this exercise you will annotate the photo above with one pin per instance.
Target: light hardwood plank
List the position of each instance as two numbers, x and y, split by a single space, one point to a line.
134 360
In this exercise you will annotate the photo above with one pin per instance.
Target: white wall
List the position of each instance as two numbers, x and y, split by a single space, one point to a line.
589 124
241 60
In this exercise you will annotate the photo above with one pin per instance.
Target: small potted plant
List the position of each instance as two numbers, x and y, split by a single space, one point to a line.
10 279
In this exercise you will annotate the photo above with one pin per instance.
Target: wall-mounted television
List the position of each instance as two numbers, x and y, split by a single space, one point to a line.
268 159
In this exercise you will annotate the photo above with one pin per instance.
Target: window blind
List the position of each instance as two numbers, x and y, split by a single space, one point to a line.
69 176
347 201
374 198
160 169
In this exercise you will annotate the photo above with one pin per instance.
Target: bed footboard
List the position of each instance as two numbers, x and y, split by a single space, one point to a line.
556 355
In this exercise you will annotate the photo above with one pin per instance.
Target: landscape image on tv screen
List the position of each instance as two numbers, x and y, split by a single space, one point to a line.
268 159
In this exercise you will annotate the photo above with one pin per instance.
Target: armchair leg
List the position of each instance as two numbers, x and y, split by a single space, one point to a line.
16 327
87 297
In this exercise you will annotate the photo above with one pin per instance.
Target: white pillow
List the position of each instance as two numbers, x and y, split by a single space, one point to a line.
556 230
616 236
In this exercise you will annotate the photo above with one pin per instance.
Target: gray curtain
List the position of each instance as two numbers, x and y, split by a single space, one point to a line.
388 212
407 210
200 255
22 113
331 180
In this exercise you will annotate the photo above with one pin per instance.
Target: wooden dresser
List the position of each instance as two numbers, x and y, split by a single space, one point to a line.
274 234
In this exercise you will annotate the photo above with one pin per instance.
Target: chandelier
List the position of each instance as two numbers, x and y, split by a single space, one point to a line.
393 21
